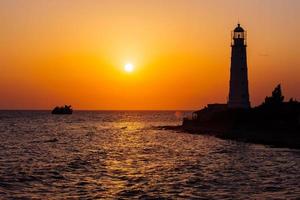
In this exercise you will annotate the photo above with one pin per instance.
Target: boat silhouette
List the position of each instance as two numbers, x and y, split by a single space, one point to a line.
63 110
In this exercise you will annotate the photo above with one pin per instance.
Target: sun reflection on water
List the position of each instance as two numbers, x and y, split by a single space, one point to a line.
125 156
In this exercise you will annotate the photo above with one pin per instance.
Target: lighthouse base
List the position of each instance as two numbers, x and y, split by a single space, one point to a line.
236 105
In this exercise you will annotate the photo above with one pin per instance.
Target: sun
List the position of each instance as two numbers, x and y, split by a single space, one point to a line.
129 67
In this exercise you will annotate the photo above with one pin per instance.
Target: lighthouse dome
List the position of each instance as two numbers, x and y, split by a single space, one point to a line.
239 29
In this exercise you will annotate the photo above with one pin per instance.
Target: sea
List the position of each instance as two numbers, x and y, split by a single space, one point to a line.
129 155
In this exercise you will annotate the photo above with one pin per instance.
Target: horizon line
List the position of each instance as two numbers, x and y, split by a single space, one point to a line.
108 110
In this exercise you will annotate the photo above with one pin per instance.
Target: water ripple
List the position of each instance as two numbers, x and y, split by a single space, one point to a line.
121 155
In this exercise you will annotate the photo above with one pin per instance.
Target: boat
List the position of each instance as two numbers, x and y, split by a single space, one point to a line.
63 110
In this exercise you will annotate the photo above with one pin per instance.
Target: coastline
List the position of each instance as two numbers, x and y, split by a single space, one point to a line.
276 140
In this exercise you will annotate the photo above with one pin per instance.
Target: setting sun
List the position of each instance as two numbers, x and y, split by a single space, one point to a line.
175 54
129 67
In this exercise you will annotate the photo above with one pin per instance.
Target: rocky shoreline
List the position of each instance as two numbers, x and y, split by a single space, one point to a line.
277 140
274 122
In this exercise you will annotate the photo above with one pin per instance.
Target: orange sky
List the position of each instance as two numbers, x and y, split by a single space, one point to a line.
72 52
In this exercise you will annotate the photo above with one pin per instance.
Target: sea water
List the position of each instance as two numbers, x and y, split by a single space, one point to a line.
126 155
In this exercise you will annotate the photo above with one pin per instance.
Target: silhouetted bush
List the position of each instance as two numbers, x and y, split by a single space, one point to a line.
276 99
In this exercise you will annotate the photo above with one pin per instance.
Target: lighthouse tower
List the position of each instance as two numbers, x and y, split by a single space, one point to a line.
239 92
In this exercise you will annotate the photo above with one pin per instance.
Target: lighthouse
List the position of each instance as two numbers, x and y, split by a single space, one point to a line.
239 92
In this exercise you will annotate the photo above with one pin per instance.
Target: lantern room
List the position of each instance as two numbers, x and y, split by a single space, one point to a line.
239 35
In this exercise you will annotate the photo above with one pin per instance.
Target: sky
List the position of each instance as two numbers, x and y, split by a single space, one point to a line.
56 52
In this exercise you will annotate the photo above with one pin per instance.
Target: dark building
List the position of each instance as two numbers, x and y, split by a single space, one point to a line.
239 92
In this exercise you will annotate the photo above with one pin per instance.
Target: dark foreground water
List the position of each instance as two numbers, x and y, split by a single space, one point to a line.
109 155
